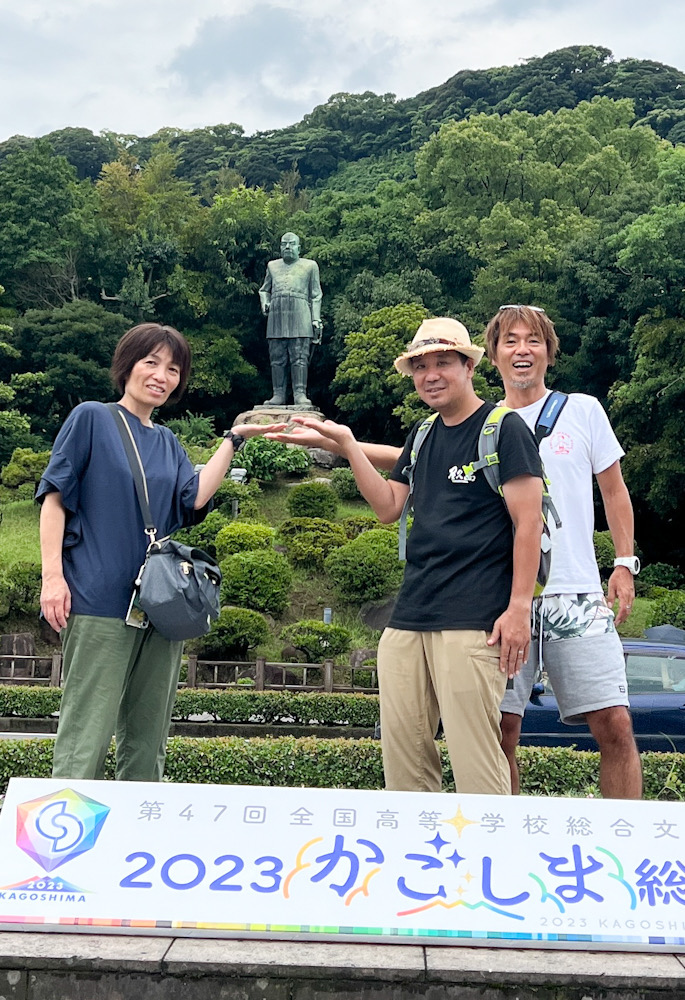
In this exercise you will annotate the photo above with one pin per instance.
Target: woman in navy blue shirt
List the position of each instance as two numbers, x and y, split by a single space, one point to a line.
118 678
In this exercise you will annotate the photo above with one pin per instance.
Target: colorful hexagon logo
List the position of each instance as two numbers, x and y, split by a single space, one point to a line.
56 828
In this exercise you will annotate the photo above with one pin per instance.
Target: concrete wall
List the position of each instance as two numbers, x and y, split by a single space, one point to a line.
108 967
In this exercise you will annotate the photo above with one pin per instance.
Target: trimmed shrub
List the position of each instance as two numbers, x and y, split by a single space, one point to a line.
367 568
356 524
234 632
20 589
344 484
605 553
25 466
287 761
318 640
264 459
668 609
29 702
308 540
662 575
243 536
246 494
313 500
204 534
259 580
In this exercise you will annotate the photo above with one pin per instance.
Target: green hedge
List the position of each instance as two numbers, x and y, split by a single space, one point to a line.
233 705
29 702
310 762
279 706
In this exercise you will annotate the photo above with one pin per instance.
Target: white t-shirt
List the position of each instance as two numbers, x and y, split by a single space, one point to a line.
581 444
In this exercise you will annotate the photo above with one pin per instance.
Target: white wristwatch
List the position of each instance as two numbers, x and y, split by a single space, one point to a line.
630 562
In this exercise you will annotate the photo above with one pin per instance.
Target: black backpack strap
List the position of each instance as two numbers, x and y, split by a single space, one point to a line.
549 414
136 465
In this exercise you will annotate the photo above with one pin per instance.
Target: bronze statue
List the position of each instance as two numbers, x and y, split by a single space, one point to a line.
291 301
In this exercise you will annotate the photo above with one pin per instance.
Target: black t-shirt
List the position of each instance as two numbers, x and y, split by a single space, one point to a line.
459 551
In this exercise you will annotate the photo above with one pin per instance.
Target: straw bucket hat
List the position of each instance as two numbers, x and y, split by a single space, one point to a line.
440 334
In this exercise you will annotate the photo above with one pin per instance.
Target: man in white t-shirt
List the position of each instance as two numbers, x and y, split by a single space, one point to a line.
581 650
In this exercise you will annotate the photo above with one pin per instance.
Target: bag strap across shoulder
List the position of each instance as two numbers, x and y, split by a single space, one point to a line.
137 470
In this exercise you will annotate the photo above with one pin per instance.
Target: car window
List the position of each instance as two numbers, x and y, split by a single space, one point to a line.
656 673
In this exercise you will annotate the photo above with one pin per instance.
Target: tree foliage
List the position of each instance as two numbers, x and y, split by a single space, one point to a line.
559 181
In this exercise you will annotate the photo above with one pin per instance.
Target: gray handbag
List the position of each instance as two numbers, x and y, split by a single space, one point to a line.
177 586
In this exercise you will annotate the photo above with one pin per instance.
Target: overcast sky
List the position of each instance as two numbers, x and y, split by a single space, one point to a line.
134 66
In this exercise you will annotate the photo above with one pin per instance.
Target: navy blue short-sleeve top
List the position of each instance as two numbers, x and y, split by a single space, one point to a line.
104 540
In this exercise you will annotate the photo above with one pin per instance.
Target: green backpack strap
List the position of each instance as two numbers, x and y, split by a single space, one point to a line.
420 436
488 461
488 449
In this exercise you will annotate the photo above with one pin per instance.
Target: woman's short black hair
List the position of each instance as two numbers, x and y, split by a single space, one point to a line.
140 341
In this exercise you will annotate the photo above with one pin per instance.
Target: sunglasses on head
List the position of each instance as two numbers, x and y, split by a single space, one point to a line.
520 305
429 341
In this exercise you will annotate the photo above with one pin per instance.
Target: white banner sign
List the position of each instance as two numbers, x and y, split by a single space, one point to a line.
348 865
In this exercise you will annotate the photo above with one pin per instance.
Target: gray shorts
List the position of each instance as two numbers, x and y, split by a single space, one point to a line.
582 657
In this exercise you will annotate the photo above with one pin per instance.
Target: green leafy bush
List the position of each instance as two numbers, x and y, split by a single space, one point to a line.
243 536
20 589
259 580
318 640
234 632
345 485
367 568
313 500
29 702
25 466
668 609
662 575
193 428
308 540
356 524
605 553
287 761
264 459
247 495
204 534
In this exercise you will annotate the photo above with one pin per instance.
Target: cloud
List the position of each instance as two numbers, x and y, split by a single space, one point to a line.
132 67
266 40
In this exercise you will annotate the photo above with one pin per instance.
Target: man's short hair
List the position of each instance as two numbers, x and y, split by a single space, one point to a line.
535 319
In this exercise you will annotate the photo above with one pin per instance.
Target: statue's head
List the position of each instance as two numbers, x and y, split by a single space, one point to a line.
290 247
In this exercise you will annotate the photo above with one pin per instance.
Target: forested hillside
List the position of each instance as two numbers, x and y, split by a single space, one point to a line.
559 182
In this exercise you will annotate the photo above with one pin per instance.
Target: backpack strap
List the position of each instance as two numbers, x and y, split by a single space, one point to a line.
420 436
549 414
488 461
488 453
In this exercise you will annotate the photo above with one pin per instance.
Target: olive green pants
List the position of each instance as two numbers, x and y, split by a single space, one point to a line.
115 679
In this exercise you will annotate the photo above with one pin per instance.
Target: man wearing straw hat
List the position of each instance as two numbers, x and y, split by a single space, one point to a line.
461 623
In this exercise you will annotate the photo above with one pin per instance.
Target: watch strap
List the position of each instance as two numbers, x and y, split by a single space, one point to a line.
237 440
631 563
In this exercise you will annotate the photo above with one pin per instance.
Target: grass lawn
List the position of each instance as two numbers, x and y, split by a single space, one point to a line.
19 533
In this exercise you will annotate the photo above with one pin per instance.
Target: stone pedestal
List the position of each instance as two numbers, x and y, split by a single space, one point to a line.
276 414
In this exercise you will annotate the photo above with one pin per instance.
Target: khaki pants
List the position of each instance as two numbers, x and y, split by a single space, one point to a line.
454 676
115 678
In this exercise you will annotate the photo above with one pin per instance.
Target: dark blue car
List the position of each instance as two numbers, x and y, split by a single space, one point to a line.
656 689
